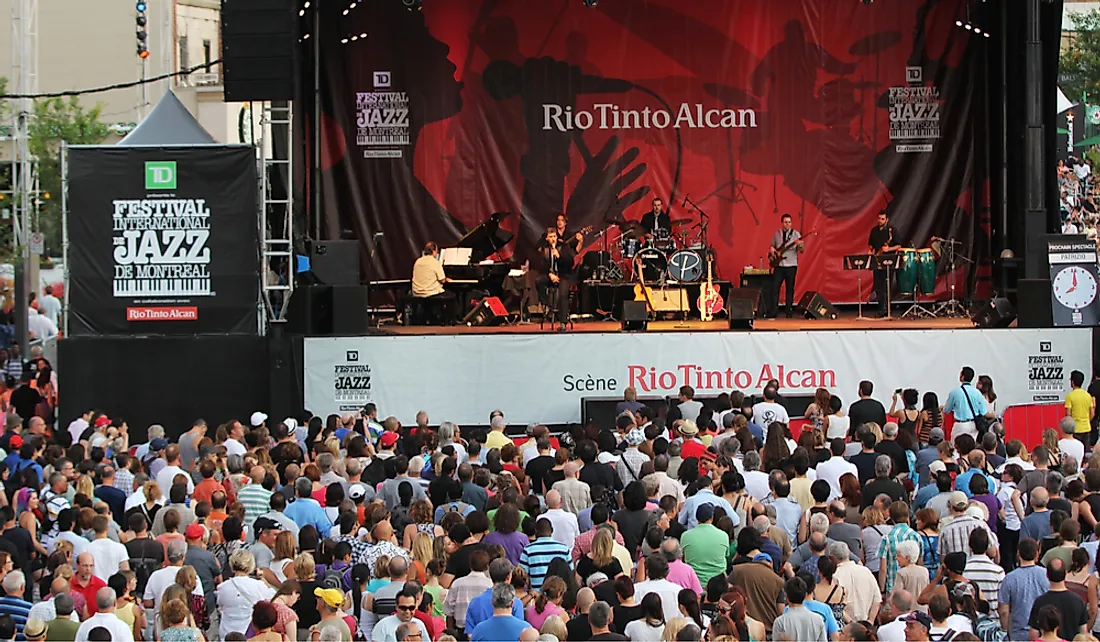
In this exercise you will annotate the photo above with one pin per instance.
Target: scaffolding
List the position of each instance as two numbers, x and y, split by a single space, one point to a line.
277 202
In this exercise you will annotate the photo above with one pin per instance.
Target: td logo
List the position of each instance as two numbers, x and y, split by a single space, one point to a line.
160 175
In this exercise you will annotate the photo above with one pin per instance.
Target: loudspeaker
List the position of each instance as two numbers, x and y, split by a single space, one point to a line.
815 306
741 313
335 262
349 309
752 295
996 313
309 310
635 316
489 311
258 45
1033 302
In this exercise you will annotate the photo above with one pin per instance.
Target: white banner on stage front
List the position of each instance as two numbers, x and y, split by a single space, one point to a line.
543 377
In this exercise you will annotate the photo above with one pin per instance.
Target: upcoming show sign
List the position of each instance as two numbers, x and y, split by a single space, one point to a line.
162 241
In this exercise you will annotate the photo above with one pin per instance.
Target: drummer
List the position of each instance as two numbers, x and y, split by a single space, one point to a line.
656 221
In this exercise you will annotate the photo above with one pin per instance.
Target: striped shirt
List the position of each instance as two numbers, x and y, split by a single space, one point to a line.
462 592
18 610
988 575
256 500
536 558
955 536
888 550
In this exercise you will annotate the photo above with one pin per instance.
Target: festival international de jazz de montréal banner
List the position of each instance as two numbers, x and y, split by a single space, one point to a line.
828 110
162 241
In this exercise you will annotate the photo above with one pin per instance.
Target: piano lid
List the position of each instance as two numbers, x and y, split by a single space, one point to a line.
486 238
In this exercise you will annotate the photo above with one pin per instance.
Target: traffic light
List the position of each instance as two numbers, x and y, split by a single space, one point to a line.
142 34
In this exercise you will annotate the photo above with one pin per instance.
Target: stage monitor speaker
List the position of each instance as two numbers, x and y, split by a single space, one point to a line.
815 306
349 309
752 295
741 313
996 313
1033 303
489 311
309 311
635 316
335 262
258 39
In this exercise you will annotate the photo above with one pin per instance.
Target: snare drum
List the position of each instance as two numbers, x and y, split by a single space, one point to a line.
652 263
630 247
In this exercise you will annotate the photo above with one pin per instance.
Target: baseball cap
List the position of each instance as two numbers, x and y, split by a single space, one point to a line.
607 458
257 418
937 466
356 491
266 524
195 531
34 628
957 500
333 597
160 443
16 442
935 436
704 512
102 421
387 439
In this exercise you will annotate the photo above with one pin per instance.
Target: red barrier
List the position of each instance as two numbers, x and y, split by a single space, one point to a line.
1027 421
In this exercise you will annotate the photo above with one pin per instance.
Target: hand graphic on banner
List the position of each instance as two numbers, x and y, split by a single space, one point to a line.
599 192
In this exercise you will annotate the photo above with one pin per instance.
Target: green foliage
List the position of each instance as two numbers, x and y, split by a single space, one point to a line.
58 120
1080 59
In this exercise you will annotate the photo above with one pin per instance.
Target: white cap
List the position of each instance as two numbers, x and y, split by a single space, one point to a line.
257 418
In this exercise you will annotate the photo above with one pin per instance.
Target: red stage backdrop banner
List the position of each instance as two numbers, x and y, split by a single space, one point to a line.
828 110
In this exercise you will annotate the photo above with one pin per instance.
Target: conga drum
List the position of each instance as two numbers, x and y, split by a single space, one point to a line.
926 271
907 270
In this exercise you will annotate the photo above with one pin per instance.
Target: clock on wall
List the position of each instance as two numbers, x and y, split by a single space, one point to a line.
1074 287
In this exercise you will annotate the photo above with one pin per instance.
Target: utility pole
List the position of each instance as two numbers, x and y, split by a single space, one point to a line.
24 25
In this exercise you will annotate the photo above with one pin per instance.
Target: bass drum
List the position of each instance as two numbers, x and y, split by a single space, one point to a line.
652 263
687 266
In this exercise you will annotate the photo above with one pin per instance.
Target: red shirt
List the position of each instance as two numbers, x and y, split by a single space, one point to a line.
87 590
692 448
205 489
429 624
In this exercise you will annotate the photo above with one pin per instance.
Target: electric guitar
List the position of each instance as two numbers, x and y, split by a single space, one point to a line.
578 254
775 257
710 300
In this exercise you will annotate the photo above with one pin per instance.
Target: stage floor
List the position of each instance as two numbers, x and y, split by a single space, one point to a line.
844 322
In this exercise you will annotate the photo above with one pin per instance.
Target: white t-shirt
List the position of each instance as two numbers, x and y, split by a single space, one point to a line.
765 412
1074 449
233 447
77 428
108 556
120 632
168 473
159 582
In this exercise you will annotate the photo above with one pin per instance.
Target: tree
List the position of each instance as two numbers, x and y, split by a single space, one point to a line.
1079 63
58 120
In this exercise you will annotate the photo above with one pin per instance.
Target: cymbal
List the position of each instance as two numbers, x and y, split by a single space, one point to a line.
680 221
631 229
875 43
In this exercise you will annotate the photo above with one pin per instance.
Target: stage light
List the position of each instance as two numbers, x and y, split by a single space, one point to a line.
977 30
591 3
344 41
413 5
306 5
985 33
362 35
345 12
958 23
305 36
354 38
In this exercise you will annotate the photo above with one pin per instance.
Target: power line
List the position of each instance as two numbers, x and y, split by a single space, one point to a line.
124 85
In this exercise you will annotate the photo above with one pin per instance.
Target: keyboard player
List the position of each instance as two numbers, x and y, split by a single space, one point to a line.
428 279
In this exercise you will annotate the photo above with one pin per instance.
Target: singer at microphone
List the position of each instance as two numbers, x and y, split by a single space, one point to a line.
656 221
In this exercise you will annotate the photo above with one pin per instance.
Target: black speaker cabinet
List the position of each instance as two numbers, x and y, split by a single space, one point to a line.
635 316
752 295
335 262
741 313
258 42
1033 303
997 313
349 309
815 306
309 310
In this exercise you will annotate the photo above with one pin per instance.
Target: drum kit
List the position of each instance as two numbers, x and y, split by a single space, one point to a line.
678 255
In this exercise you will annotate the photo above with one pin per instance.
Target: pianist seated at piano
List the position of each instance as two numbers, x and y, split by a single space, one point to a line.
427 285
550 275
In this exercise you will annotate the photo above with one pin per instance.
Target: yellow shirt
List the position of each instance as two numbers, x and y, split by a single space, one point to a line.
496 439
427 277
1079 402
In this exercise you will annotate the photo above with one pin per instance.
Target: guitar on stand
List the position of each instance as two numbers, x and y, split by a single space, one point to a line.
710 300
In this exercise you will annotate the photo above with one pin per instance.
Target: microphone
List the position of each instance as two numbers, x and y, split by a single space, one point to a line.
504 79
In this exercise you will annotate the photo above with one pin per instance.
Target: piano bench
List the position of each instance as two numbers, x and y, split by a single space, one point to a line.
437 310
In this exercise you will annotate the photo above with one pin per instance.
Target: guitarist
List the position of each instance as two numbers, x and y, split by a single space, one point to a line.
786 246
565 238
882 241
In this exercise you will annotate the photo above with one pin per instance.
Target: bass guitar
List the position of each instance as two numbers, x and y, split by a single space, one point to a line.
775 256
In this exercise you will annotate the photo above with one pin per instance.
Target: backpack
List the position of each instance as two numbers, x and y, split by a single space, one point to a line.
334 578
988 629
143 567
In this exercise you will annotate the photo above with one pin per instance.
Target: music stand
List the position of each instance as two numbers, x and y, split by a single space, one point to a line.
859 262
887 261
